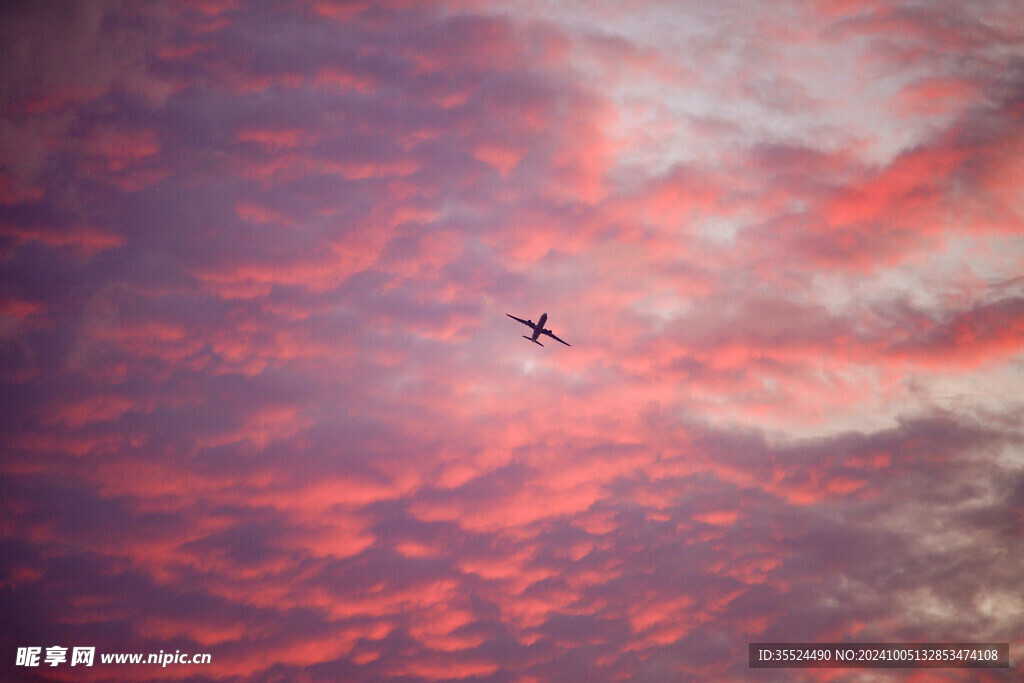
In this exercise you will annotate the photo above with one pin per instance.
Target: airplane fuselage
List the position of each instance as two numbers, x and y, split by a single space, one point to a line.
540 326
538 329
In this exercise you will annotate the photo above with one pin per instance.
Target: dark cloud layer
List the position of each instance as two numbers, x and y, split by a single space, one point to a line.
260 398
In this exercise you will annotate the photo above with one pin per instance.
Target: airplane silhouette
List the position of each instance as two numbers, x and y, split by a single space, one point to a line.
538 329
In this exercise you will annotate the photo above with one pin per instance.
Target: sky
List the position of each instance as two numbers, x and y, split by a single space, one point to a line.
261 398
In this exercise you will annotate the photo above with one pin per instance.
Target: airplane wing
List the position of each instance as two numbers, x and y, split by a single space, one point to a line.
525 322
549 333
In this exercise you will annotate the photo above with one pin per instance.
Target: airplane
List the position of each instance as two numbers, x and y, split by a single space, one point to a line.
538 329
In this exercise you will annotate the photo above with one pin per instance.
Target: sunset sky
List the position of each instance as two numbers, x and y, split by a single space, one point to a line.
260 397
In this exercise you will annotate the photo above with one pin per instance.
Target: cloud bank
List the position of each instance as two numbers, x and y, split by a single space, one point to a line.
261 398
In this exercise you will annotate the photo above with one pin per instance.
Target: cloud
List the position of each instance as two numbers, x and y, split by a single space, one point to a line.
262 400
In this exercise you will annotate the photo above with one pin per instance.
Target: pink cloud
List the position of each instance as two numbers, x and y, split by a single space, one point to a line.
255 213
935 96
273 140
263 400
84 239
14 192
504 159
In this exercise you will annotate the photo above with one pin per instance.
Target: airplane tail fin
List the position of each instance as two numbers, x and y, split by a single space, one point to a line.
533 340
